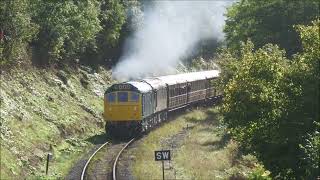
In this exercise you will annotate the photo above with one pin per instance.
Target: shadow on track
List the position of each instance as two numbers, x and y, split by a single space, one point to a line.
102 138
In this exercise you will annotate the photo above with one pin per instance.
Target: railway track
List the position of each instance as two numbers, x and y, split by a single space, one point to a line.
115 162
87 163
114 169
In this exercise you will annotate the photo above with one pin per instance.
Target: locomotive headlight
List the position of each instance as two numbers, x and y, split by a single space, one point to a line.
135 108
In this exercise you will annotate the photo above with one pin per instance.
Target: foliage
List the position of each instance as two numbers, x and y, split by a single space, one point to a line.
18 29
268 22
112 18
135 16
259 173
310 154
253 100
201 64
228 65
134 22
65 30
305 76
66 27
271 104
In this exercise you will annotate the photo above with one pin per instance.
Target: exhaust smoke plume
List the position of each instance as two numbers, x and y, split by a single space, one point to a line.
169 33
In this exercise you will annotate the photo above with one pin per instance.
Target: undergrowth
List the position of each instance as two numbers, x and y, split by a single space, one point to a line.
49 111
200 149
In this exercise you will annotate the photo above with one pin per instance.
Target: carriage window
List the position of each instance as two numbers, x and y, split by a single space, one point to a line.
193 86
111 97
122 96
134 97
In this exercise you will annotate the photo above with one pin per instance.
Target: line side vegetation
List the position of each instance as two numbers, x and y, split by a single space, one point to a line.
271 83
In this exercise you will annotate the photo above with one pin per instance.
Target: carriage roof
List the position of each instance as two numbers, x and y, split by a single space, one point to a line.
148 84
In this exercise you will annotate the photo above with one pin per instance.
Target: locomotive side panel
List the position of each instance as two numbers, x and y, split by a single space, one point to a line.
148 104
161 102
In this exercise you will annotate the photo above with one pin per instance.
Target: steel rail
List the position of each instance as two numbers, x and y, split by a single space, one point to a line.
114 169
87 163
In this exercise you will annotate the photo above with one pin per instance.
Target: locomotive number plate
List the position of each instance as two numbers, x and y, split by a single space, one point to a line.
122 87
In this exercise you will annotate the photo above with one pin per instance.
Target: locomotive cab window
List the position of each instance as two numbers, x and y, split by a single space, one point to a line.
122 96
111 97
134 97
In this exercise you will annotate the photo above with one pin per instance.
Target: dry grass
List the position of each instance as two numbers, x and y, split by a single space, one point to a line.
145 167
205 151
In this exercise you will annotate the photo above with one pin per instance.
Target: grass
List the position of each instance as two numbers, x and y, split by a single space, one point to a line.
200 149
11 168
40 114
144 165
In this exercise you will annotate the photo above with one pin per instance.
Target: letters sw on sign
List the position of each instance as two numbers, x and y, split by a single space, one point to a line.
162 155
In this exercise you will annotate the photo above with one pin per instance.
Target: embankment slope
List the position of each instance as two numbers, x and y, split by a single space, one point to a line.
49 111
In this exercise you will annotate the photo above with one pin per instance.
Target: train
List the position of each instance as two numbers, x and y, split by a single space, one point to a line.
134 107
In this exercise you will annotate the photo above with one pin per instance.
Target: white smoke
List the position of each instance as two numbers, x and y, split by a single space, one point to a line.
170 31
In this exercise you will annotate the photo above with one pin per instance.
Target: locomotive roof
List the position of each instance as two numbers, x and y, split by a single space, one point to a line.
148 84
141 86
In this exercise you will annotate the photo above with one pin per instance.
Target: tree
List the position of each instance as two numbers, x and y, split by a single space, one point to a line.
18 29
305 76
268 22
66 28
254 102
112 18
271 105
134 18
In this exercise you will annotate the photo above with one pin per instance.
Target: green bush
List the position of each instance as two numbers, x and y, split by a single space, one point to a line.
269 22
259 173
19 30
271 104
310 155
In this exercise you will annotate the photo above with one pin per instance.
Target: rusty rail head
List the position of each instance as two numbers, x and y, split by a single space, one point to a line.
87 163
114 169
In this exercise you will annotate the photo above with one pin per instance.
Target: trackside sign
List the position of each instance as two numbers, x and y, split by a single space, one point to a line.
162 155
